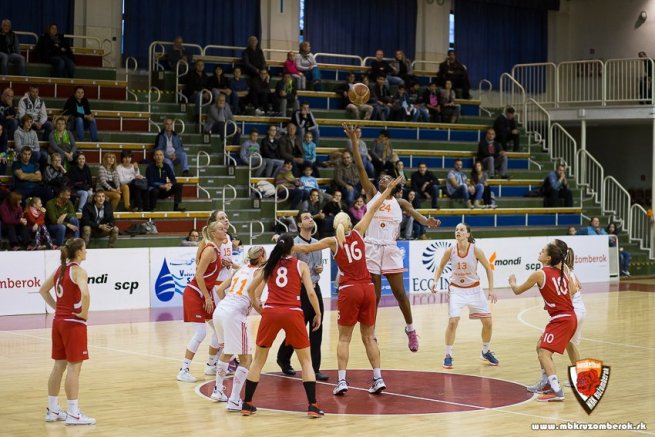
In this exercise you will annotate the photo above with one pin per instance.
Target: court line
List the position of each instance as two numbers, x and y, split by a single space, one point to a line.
538 328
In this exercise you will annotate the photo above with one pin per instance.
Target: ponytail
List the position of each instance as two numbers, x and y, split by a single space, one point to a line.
67 252
569 259
341 222
282 248
559 252
63 256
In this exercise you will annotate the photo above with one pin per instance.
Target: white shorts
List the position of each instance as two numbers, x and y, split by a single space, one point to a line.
384 259
473 297
231 327
578 331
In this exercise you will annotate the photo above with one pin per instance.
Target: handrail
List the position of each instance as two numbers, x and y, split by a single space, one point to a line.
590 174
107 52
253 236
539 81
277 199
178 93
228 122
422 61
130 60
198 187
371 58
220 47
483 92
33 35
562 147
580 82
152 123
615 200
201 105
150 102
624 80
226 187
537 123
85 37
640 229
175 122
515 88
339 55
251 168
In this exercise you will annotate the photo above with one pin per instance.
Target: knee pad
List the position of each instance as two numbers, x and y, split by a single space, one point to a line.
214 342
198 337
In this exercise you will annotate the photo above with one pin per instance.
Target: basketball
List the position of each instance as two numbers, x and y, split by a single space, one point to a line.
359 94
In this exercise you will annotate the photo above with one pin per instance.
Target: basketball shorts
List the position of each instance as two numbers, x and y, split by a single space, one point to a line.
276 319
558 332
384 259
69 341
232 330
356 303
577 336
474 298
194 306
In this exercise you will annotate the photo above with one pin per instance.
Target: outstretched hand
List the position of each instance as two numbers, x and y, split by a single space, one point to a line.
392 185
349 129
433 222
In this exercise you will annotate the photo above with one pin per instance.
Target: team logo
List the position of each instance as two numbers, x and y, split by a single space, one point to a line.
589 379
169 282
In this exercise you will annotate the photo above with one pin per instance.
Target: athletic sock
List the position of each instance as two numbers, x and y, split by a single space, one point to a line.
186 363
544 377
211 361
485 348
53 404
342 375
377 373
409 327
554 383
449 350
221 370
310 389
251 386
73 408
240 376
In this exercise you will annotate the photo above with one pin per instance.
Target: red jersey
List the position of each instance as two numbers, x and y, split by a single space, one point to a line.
555 293
211 274
351 259
69 295
284 284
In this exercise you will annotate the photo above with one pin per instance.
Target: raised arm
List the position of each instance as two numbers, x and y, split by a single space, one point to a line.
325 243
532 280
420 218
368 186
479 254
362 226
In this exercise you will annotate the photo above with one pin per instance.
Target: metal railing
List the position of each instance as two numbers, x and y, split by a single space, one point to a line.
179 95
150 102
130 60
615 200
580 82
537 124
512 93
415 62
252 235
590 174
224 199
203 92
626 80
251 167
641 228
562 147
539 81
483 95
198 167
277 200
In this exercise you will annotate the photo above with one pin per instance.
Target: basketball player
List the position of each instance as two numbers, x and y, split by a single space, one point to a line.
383 255
464 290
357 301
554 284
230 321
198 300
283 274
69 345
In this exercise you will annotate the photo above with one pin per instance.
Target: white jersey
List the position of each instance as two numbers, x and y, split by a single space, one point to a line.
226 253
578 304
465 268
385 225
236 295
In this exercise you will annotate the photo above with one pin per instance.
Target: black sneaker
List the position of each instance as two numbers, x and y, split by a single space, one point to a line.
286 368
248 409
314 412
321 376
185 173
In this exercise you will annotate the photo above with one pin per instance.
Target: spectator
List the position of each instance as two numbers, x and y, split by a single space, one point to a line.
217 121
304 119
286 94
5 154
133 186
260 93
479 176
399 171
556 187
285 178
310 183
291 148
492 155
353 110
330 210
54 175
8 116
78 108
381 99
452 70
309 149
270 151
31 104
432 104
426 185
10 50
458 187
61 218
624 255
402 109
14 225
593 228
240 90
313 205
384 158
62 141
402 69
357 210
363 151
416 99
98 220
196 81
250 147
381 68
289 66
220 84
572 231
55 49
108 180
645 85
192 239
162 183
409 227
27 176
79 176
35 216
449 109
177 53
347 178
170 143
306 64
25 138
252 58
507 130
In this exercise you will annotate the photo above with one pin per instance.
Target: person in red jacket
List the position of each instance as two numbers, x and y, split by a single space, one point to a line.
35 216
14 225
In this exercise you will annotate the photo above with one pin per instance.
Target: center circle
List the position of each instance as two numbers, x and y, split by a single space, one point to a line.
408 392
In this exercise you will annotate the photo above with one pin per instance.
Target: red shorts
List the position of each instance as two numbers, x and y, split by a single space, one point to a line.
292 321
356 303
69 341
194 306
558 332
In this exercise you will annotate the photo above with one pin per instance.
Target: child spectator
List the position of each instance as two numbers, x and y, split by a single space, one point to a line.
431 99
449 109
35 216
289 67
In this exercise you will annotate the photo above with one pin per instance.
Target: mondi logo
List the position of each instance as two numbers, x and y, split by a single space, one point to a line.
494 261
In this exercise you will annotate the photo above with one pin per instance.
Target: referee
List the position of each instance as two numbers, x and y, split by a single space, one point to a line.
315 262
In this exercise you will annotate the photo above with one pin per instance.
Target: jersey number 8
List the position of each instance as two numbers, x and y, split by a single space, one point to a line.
281 279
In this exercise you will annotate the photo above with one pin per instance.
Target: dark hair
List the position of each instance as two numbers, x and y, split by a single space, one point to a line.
282 248
288 161
314 190
68 251
451 51
385 133
125 154
569 257
79 87
63 189
558 252
254 131
421 163
470 239
299 215
510 110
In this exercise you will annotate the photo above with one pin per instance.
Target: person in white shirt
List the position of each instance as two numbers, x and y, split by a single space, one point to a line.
133 185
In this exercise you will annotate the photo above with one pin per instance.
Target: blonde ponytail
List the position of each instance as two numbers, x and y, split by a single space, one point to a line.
341 222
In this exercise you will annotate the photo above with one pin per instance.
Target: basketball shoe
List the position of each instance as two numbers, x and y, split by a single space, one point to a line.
233 406
248 409
490 358
80 419
413 340
377 386
218 395
540 387
210 370
314 412
51 416
185 376
341 388
552 397
448 362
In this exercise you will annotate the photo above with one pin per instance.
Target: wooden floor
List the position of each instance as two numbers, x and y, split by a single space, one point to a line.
129 383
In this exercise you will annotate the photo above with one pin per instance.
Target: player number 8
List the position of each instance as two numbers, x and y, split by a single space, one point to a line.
281 279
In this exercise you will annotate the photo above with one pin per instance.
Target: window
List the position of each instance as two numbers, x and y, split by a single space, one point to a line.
302 21
123 28
451 35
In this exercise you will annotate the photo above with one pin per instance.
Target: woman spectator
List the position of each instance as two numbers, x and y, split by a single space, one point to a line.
289 67
431 99
25 136
55 174
624 255
357 210
285 178
108 179
306 63
219 84
62 141
402 68
4 147
54 48
78 109
14 225
479 176
35 216
133 186
79 177
192 239
330 210
449 109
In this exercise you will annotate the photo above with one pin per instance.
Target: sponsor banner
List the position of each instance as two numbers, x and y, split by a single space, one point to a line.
21 276
508 256
118 278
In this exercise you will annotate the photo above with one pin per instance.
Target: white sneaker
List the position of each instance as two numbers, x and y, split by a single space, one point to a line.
234 406
218 395
210 370
259 112
185 376
377 386
81 419
341 388
54 417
